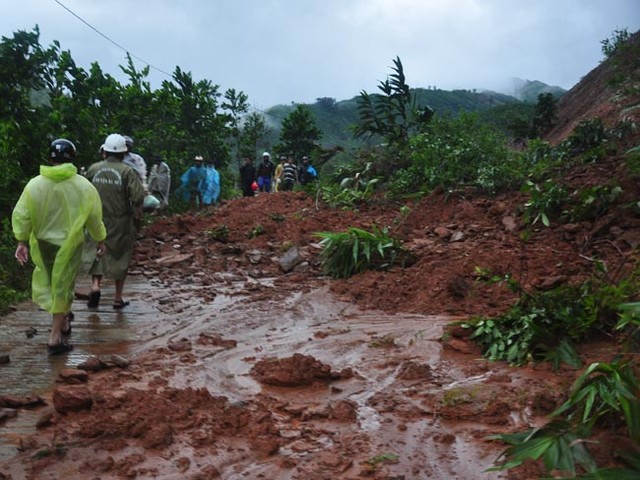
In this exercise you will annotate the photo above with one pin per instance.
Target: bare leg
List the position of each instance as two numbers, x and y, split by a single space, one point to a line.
119 289
56 329
95 283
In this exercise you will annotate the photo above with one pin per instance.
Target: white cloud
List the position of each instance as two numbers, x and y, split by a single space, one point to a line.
279 51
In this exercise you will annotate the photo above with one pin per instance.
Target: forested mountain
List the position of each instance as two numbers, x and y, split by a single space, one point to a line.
335 118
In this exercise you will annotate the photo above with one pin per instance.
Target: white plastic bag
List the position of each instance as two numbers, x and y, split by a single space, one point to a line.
150 203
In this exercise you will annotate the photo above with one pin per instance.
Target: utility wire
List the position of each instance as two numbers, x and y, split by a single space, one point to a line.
108 39
138 58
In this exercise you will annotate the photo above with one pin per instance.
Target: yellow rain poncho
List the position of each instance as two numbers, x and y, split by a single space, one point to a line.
51 215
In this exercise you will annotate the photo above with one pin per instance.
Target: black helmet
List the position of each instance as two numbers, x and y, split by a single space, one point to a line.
62 150
128 141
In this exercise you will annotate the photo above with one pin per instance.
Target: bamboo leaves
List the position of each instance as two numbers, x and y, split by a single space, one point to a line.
356 250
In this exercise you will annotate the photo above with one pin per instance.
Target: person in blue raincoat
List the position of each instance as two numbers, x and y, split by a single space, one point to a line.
307 173
212 190
194 184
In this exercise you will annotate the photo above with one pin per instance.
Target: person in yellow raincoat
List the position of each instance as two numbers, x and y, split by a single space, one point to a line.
51 215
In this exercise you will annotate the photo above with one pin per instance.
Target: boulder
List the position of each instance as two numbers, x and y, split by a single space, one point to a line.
72 398
290 259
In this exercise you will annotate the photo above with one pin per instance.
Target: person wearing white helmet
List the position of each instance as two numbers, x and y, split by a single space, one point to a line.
121 193
265 173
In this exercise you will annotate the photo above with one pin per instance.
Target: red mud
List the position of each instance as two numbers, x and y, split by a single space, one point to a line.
258 373
144 423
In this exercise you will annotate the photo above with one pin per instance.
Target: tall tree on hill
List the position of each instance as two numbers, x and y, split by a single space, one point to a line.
236 104
254 129
299 134
545 114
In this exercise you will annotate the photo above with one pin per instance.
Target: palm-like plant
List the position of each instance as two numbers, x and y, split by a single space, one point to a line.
356 250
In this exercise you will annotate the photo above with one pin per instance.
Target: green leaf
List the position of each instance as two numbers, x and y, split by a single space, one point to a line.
545 219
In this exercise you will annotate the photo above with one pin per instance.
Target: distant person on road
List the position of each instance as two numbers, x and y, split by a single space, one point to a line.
194 184
138 164
289 175
159 183
307 173
51 215
265 173
121 193
277 176
247 177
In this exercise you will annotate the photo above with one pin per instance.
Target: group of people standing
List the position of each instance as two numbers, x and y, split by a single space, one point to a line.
61 214
200 184
279 178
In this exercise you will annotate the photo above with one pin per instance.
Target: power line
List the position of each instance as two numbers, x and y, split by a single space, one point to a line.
135 56
108 39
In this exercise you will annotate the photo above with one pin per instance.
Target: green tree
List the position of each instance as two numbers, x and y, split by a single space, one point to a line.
545 115
45 95
299 134
615 44
236 104
254 130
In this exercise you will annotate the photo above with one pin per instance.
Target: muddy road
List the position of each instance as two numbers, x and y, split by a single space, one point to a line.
302 387
238 368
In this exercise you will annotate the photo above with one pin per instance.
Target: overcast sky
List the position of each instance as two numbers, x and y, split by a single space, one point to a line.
282 51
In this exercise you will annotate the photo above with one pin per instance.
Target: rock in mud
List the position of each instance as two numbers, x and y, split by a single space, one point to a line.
6 413
181 345
72 398
215 340
298 370
73 376
92 364
344 411
290 259
13 401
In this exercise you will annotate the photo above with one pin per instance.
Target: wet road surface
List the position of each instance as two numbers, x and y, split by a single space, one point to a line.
24 334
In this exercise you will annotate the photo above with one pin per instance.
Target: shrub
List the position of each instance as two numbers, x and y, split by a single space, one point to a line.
453 153
545 202
542 325
347 253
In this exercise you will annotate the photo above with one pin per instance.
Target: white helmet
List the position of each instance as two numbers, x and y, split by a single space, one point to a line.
115 143
266 154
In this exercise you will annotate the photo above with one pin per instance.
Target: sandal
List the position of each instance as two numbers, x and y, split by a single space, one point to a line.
59 348
120 304
68 317
94 299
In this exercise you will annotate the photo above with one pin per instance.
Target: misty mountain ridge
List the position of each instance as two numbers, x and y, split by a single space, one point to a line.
334 118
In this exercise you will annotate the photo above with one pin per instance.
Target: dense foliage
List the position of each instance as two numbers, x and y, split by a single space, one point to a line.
45 95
